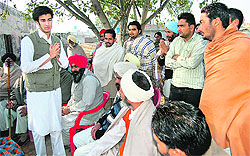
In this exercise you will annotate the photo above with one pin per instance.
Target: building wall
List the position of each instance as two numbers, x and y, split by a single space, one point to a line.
16 26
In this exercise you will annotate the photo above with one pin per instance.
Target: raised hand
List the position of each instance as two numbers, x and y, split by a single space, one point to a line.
54 50
164 47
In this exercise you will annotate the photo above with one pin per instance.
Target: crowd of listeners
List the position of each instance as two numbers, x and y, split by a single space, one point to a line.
202 70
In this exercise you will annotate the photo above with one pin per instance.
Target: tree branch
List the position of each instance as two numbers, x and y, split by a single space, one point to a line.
82 18
99 12
155 13
145 11
134 10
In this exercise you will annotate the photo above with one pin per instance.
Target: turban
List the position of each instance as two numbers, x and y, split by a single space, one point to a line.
172 26
122 67
133 92
102 31
133 59
10 55
72 38
79 60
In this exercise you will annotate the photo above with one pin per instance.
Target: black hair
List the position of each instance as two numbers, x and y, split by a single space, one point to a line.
110 31
137 24
141 80
10 55
158 33
215 10
188 17
181 125
236 14
41 10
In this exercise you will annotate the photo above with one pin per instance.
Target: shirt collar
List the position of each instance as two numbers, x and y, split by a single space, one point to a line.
44 36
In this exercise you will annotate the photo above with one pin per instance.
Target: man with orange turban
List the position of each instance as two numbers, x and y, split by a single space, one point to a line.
86 94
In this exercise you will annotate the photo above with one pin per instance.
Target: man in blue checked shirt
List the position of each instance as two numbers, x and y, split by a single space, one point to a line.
143 49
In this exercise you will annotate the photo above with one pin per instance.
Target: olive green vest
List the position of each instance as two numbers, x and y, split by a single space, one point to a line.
43 79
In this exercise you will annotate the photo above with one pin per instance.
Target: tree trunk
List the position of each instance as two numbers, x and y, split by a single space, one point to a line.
145 13
101 15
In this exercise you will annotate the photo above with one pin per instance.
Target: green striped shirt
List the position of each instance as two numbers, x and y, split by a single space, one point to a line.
188 69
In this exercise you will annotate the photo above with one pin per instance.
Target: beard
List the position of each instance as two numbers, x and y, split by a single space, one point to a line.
5 68
117 85
73 45
171 38
127 103
77 75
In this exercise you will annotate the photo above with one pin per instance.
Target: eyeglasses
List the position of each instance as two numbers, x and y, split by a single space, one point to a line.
101 35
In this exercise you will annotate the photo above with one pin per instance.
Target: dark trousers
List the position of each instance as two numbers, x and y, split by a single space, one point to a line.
185 94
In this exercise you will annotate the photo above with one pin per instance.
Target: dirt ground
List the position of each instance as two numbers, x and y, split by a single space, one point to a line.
29 148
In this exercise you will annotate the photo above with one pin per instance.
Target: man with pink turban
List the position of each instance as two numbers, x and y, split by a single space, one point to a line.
86 94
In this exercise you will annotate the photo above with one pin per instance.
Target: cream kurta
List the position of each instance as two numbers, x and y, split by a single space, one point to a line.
44 107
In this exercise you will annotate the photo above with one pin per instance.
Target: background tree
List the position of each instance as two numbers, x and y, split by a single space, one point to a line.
112 13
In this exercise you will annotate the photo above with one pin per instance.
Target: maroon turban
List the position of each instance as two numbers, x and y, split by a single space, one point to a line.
102 31
79 60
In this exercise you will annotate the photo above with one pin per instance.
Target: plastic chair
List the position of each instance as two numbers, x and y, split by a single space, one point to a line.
157 97
77 126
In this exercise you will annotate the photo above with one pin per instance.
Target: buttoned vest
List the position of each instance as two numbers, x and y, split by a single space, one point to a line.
43 79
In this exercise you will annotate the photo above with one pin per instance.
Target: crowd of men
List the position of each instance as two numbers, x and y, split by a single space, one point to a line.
205 82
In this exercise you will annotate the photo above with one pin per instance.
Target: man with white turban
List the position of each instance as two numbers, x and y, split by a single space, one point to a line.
134 120
74 47
103 63
89 135
86 94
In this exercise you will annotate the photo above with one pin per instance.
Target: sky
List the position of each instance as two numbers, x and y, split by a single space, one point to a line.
242 5
70 25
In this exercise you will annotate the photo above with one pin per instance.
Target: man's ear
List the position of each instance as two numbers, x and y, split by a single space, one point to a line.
236 22
115 40
217 21
192 27
139 31
176 152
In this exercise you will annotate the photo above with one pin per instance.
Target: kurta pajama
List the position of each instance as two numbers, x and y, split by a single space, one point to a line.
44 108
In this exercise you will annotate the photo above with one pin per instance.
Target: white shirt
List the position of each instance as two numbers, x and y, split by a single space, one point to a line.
108 140
28 65
44 107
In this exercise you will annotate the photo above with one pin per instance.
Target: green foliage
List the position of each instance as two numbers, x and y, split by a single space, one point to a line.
176 7
116 11
206 2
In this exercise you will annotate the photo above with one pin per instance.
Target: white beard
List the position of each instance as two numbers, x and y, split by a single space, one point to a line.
5 68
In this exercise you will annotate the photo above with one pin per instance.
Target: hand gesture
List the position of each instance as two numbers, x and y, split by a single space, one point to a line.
164 47
23 110
94 129
9 105
54 50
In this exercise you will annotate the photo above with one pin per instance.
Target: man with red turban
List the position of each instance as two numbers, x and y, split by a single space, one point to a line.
86 94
